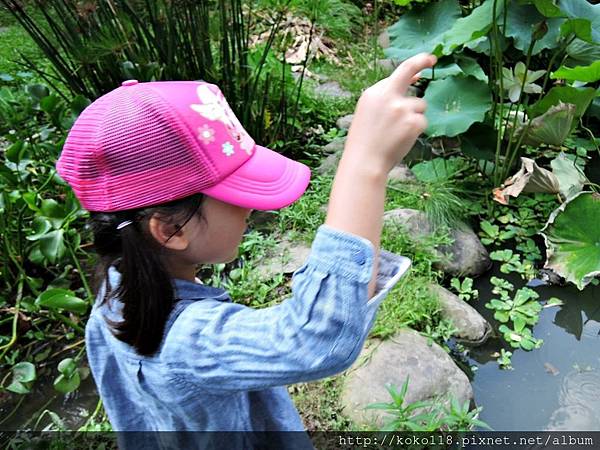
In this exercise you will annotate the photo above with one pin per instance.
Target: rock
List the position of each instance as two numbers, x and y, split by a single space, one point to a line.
431 372
384 39
329 164
470 325
466 256
332 89
401 173
343 123
335 146
287 257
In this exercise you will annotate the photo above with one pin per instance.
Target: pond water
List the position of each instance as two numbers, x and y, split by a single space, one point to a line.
555 387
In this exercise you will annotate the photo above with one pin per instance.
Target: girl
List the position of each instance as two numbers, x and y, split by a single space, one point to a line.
170 177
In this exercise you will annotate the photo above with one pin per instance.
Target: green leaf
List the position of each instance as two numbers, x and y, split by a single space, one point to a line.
67 366
548 8
580 97
38 91
520 23
48 104
479 141
588 74
570 177
438 169
421 30
24 375
582 53
584 10
15 152
470 66
62 299
66 384
581 28
54 212
490 230
24 372
40 227
442 70
454 104
551 128
469 28
52 245
572 239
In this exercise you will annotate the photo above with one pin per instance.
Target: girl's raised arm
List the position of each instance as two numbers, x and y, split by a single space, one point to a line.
386 125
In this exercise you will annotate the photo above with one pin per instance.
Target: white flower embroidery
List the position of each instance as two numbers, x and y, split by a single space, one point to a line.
228 148
206 134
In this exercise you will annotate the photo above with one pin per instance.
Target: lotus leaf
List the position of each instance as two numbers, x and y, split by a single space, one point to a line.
520 23
582 9
570 176
583 53
580 28
469 28
551 128
572 239
530 178
580 97
548 8
442 70
588 74
421 30
455 103
438 169
463 65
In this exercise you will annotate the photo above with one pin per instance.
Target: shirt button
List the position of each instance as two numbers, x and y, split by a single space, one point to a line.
129 83
359 257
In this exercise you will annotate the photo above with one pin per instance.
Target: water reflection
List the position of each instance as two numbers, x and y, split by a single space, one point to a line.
556 387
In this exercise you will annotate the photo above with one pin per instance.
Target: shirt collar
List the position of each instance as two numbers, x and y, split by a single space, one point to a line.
184 290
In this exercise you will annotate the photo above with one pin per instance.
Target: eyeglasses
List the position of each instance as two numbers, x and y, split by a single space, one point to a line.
179 227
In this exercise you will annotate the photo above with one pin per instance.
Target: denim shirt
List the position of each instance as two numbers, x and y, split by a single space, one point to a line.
224 366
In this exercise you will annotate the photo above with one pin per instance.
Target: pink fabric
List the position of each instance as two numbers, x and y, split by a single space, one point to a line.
148 143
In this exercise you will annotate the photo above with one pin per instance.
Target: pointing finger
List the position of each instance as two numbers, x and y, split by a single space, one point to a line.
403 76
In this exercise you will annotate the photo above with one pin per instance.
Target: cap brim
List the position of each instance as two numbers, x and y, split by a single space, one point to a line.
266 181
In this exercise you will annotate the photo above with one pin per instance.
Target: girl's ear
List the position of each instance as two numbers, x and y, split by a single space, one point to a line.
168 235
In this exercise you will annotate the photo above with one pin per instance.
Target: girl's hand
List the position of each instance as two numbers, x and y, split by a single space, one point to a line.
387 122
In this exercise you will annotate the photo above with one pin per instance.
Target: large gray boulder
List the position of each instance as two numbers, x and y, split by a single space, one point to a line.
466 256
430 370
470 325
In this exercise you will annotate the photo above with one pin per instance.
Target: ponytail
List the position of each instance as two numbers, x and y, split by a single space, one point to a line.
146 289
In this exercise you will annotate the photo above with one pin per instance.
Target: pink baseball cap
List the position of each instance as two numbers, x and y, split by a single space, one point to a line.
144 144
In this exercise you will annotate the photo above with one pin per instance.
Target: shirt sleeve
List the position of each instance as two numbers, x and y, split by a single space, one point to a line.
317 332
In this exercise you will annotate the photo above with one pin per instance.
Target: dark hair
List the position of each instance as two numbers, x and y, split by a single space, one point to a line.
146 289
